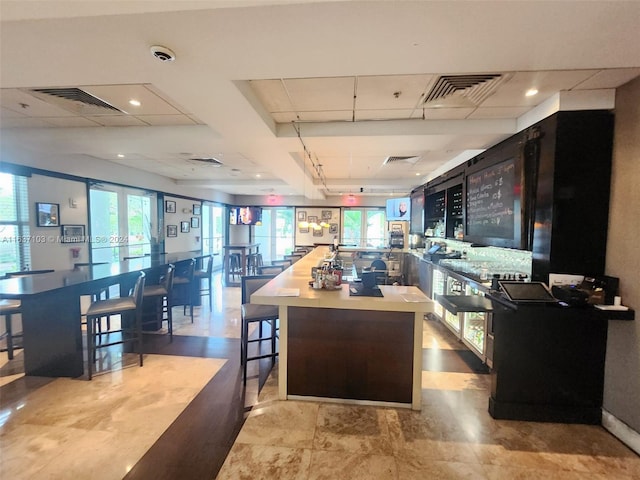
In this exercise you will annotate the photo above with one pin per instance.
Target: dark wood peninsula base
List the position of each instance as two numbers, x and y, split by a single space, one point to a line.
351 354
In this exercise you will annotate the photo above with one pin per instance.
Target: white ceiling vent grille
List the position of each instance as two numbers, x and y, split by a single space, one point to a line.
75 100
462 90
212 162
398 158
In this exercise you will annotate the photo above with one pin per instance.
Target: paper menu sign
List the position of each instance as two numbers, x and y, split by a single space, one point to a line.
562 279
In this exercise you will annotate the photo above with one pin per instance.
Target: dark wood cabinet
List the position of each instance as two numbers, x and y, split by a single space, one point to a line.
548 364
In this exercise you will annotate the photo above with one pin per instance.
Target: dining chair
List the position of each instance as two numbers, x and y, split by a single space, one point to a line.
130 328
160 296
205 274
254 313
270 269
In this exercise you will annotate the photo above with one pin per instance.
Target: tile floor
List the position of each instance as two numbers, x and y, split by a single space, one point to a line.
71 428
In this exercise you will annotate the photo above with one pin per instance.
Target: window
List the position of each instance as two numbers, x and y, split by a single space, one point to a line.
213 231
276 234
121 222
364 227
15 253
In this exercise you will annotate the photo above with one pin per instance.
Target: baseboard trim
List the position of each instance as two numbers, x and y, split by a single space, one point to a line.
621 430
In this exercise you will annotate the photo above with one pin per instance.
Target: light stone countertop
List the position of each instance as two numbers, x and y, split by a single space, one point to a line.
396 298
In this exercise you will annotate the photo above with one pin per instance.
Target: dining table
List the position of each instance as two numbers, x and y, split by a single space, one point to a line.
244 249
51 311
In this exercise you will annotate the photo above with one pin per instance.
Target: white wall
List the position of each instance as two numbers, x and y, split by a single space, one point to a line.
184 242
53 253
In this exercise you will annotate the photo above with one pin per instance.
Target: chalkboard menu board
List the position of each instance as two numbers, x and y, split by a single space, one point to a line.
491 201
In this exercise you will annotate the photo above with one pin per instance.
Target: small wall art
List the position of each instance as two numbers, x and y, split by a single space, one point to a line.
48 214
172 230
184 227
170 206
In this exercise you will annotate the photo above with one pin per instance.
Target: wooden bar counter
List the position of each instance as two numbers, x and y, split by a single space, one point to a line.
354 349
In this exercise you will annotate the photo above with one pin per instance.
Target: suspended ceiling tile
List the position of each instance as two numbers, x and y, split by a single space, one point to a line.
611 78
326 116
272 94
71 122
117 121
391 114
379 92
8 113
24 122
315 94
159 120
14 99
446 113
285 117
512 92
498 112
119 96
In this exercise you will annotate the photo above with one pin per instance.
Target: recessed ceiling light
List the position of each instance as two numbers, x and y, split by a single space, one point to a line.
258 175
134 102
417 174
531 92
120 155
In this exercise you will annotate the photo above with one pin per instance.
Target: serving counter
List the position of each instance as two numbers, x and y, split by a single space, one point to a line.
347 348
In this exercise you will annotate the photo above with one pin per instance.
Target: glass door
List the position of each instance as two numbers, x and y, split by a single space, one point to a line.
275 235
213 232
104 221
474 327
121 222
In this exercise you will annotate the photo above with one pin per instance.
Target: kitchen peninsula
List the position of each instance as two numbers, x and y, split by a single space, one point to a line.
344 348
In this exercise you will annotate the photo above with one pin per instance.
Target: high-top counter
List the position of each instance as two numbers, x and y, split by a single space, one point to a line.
347 348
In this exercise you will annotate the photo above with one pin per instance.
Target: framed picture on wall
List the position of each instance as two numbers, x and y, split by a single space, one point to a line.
333 228
48 214
303 229
72 233
184 227
195 222
302 215
172 230
326 214
312 219
196 209
170 206
318 232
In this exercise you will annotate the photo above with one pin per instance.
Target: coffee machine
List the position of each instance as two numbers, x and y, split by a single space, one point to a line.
396 239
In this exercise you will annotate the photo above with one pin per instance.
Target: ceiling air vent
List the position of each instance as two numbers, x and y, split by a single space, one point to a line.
396 159
75 100
462 90
212 162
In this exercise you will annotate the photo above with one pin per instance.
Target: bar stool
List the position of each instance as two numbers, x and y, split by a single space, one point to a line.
270 269
254 260
200 275
8 308
293 257
12 307
130 311
97 295
252 313
184 282
160 295
285 263
235 264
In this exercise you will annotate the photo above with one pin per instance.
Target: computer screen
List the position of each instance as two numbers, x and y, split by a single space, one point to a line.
527 291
